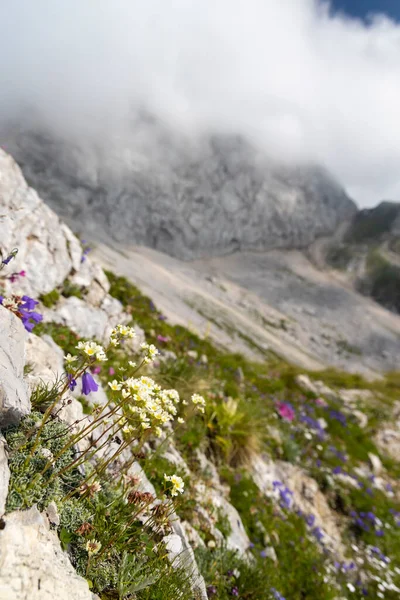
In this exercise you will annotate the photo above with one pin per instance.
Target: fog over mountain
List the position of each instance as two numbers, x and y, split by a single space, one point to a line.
301 82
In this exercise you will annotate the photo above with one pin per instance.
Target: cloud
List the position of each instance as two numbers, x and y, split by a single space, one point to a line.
302 81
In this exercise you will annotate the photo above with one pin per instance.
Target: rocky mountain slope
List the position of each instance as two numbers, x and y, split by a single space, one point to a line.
272 484
366 254
188 198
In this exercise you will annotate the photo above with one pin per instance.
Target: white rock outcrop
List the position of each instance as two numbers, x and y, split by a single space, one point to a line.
45 360
47 249
181 555
32 563
86 320
14 399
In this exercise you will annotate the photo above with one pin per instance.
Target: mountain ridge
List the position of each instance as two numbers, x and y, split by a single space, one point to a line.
190 199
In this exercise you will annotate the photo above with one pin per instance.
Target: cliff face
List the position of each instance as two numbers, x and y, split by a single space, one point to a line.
187 199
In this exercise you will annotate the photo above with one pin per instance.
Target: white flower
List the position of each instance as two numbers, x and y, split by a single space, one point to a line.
92 350
199 402
177 484
114 385
10 304
351 587
46 453
132 364
70 359
123 331
101 356
211 544
149 351
93 547
180 420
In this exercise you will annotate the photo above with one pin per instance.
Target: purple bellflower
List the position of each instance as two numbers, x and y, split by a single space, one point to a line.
88 384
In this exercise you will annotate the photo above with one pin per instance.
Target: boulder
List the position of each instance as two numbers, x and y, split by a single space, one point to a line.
45 360
32 563
88 321
238 539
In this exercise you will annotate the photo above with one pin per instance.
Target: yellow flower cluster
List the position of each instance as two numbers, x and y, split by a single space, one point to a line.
149 406
92 350
199 402
120 332
177 484
150 352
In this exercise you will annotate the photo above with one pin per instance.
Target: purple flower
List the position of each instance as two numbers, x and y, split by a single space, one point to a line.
8 259
28 303
211 590
35 316
29 325
71 382
310 520
1 299
317 533
235 591
276 594
88 384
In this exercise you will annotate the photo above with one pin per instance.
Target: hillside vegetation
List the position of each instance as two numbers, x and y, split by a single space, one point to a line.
251 410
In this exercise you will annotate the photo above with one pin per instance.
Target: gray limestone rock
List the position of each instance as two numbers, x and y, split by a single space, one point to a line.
32 564
14 399
181 555
45 361
47 249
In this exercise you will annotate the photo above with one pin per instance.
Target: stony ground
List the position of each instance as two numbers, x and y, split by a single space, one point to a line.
276 301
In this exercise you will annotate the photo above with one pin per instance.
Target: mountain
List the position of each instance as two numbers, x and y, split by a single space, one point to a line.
367 253
145 456
190 198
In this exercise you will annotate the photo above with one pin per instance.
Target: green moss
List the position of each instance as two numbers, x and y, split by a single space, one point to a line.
50 299
70 289
62 335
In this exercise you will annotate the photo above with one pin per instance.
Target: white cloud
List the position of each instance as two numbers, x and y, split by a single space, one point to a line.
302 81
